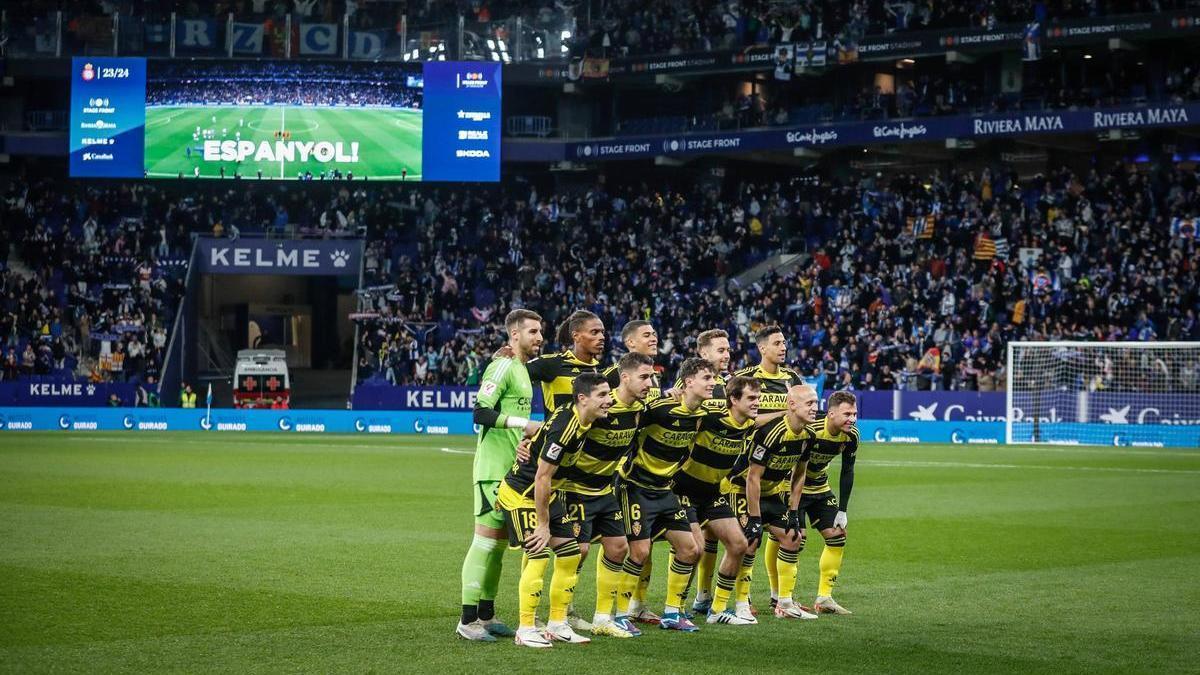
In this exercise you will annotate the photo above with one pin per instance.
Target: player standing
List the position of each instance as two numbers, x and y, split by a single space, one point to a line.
585 333
639 337
721 442
502 409
712 346
776 379
589 487
537 517
833 436
766 494
664 440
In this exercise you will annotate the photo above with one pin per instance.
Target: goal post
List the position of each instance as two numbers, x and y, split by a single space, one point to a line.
1103 393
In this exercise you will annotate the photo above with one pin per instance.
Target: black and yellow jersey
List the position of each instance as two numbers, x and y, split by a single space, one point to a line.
557 373
607 442
664 440
778 448
773 386
557 441
613 375
824 447
718 388
719 444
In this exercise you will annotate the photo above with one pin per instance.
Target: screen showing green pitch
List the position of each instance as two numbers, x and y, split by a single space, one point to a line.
282 120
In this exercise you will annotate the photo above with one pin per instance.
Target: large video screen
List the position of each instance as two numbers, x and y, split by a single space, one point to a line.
285 120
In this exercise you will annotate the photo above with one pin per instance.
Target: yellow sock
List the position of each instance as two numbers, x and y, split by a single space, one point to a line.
722 591
532 578
643 584
745 576
562 581
831 562
631 574
678 578
787 573
772 560
608 577
704 569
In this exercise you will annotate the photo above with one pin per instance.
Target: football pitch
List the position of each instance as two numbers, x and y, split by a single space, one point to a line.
389 140
267 553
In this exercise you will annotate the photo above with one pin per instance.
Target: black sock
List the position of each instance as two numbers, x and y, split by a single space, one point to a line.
487 610
470 613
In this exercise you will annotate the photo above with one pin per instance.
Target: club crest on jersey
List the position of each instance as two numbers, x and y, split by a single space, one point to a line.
576 529
637 528
744 519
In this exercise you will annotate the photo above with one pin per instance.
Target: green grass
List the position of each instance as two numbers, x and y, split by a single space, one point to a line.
269 553
389 139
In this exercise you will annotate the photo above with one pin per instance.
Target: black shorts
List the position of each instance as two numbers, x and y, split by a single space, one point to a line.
821 508
701 509
522 519
772 508
651 513
598 515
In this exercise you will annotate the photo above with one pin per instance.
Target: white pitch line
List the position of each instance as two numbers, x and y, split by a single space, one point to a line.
311 441
981 465
458 452
1101 450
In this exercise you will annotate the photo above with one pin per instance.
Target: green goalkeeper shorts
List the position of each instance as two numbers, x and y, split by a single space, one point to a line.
486 513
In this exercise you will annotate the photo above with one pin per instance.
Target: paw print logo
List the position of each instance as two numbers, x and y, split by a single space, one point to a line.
339 258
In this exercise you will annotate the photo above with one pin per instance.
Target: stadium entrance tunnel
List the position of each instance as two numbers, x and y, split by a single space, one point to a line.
294 295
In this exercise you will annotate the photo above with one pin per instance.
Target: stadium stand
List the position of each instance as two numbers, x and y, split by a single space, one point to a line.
92 288
1060 256
935 92
874 307
871 301
616 28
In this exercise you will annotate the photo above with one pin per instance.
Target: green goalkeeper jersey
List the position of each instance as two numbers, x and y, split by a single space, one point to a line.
505 388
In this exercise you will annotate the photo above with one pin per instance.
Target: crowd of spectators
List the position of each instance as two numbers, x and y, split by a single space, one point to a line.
617 27
628 27
837 97
877 303
270 83
902 281
1063 256
97 278
445 279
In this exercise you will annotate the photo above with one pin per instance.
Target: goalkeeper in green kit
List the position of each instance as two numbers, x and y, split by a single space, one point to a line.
502 412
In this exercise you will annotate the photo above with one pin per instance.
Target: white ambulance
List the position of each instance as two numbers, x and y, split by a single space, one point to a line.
260 379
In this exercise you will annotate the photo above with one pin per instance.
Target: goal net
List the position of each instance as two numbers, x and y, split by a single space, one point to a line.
1104 393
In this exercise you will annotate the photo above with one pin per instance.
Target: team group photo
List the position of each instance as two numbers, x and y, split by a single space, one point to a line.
714 465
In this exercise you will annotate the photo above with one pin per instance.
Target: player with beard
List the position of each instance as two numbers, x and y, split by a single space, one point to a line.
502 410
